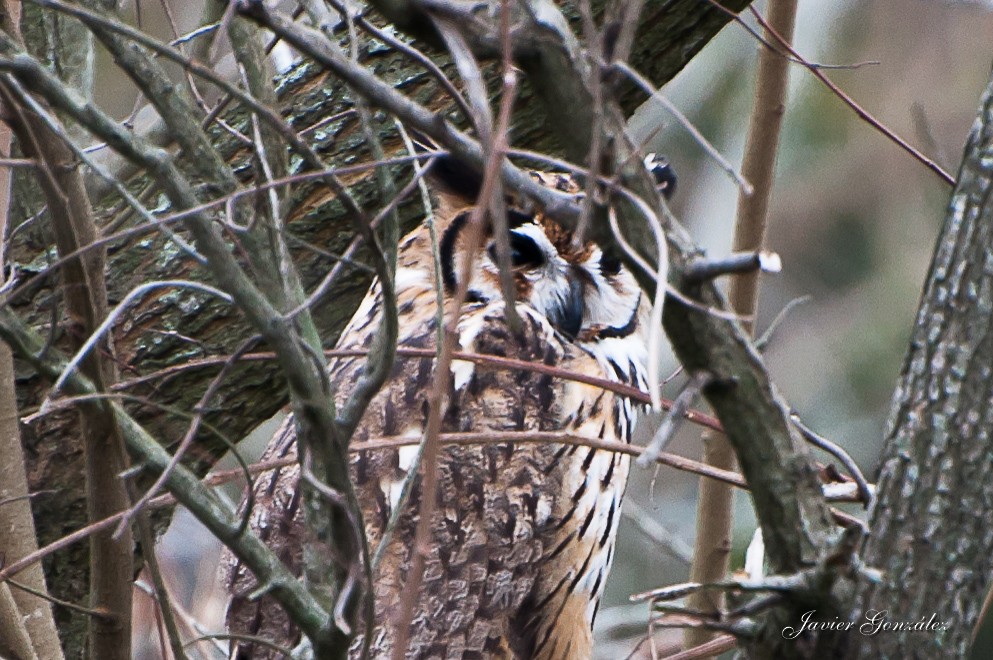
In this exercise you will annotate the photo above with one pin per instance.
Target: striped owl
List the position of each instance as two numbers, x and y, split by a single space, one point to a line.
523 534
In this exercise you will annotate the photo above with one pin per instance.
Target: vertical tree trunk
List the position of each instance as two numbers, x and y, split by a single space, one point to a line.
25 617
930 527
66 46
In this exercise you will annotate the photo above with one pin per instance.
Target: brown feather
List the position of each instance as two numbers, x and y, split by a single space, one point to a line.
522 538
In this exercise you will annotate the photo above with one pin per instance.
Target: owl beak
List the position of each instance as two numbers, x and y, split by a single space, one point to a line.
568 317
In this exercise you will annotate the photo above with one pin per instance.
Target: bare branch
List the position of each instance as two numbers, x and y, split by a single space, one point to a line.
99 333
739 263
207 507
677 413
709 149
847 100
865 490
85 294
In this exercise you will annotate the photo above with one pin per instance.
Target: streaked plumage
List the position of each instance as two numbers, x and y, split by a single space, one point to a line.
523 536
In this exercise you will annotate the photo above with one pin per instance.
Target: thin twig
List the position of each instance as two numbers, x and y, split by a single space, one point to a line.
677 412
763 342
667 539
414 468
188 437
772 583
112 317
713 648
384 259
130 200
174 107
438 393
850 102
200 208
491 361
708 148
255 640
18 162
44 595
419 57
865 490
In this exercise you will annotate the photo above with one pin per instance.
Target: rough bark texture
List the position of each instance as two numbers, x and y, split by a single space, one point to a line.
177 327
930 527
19 538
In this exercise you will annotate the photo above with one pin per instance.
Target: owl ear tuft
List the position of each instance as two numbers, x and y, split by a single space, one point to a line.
663 172
456 177
448 173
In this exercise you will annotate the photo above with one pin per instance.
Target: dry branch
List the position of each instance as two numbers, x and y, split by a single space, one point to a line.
85 294
682 27
712 547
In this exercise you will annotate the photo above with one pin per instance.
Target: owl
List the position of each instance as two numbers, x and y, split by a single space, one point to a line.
522 538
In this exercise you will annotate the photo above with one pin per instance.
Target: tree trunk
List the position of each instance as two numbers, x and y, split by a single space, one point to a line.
930 527
172 329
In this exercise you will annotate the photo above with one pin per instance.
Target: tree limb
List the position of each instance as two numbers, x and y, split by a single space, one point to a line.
712 546
930 531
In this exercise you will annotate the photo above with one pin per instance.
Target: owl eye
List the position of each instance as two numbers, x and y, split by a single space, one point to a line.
524 252
610 265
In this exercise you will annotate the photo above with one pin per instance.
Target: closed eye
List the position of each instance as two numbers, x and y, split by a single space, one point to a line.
524 252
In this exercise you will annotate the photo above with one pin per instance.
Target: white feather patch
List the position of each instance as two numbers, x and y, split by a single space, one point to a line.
462 373
392 489
407 455
755 557
408 277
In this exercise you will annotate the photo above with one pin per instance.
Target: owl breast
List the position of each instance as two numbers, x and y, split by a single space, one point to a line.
523 535
525 532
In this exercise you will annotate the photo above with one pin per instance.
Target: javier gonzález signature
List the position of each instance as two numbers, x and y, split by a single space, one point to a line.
875 621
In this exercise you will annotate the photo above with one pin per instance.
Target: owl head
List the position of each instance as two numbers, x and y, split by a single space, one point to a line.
585 294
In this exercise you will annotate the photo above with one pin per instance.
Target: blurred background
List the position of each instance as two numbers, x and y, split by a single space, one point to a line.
853 217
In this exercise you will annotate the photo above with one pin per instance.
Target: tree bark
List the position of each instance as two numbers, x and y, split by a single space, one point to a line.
27 628
175 328
930 530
